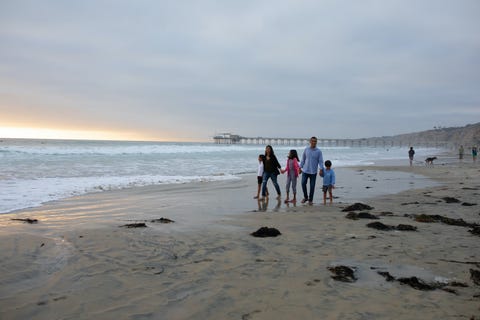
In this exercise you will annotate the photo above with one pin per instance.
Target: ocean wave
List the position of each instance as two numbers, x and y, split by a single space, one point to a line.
125 149
44 190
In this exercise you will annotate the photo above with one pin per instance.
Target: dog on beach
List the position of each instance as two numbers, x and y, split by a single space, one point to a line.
429 161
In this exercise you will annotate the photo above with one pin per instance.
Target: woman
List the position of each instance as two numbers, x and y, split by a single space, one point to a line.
270 170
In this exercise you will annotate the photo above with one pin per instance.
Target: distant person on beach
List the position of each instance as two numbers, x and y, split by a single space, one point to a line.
411 153
460 152
261 161
328 182
312 159
271 170
474 154
292 169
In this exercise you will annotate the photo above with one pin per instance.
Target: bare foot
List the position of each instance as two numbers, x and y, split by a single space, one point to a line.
304 200
256 197
286 201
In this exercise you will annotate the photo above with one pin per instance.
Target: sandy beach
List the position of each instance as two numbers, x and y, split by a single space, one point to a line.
78 262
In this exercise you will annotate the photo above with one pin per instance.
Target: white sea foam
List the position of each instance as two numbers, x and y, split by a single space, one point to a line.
120 148
22 194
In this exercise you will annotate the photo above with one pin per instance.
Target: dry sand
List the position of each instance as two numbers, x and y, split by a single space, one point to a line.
77 263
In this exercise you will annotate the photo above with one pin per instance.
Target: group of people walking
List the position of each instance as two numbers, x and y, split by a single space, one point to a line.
310 163
461 152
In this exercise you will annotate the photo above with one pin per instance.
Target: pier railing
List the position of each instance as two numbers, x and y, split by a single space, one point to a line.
384 142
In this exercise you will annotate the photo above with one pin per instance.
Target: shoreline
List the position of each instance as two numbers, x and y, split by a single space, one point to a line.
235 197
447 158
67 267
74 169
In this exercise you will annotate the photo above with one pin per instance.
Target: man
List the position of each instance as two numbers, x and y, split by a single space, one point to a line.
411 153
312 159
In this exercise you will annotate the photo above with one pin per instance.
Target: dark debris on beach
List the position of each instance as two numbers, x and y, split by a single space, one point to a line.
475 231
419 284
264 232
144 225
450 200
360 215
475 276
387 214
383 227
162 220
409 203
134 225
429 218
468 204
380 226
405 227
343 273
27 220
347 274
357 207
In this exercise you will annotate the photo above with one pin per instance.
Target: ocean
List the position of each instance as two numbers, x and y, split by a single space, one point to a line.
33 172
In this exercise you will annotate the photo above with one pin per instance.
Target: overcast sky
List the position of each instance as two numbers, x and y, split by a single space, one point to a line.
184 70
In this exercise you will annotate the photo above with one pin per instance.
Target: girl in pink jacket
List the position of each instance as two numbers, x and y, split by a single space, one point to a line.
292 169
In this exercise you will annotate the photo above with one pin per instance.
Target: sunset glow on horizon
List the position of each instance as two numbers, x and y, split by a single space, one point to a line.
18 132
67 134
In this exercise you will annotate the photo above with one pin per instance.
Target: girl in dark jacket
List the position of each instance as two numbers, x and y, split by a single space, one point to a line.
271 170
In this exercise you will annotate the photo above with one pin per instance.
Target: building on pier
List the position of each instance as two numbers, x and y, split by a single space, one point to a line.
227 138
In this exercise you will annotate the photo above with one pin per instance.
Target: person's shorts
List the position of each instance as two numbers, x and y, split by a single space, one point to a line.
259 180
326 188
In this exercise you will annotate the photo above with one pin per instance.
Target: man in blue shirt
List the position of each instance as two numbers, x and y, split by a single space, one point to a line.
312 159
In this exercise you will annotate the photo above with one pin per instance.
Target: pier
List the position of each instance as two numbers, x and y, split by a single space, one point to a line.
383 142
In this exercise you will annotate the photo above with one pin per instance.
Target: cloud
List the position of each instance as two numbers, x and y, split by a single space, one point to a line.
279 68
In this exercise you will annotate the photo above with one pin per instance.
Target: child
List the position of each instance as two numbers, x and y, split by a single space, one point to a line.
292 169
328 181
261 160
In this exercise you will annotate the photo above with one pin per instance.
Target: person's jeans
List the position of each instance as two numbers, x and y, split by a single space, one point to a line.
313 179
266 176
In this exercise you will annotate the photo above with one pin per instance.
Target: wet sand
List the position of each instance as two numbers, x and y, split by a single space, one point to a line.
77 263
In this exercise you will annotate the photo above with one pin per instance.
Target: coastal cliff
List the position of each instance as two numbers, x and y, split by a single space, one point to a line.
468 135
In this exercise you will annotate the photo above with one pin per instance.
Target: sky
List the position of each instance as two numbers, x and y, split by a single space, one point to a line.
174 70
